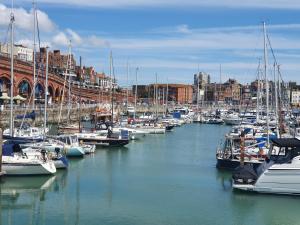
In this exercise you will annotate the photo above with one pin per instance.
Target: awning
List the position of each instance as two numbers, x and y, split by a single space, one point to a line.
4 96
19 97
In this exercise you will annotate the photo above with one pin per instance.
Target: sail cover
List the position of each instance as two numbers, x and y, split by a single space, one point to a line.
26 116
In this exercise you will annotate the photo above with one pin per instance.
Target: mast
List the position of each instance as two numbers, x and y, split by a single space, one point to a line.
127 76
80 80
135 93
220 88
111 86
156 96
167 93
163 99
276 100
198 90
258 93
46 93
12 20
34 52
69 73
266 80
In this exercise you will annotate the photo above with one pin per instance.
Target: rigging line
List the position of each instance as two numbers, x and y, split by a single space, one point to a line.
273 54
38 33
272 51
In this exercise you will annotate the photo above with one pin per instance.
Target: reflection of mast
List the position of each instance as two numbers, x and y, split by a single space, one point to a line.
77 197
109 174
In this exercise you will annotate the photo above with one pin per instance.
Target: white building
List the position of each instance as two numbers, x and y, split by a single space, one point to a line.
20 51
200 81
295 97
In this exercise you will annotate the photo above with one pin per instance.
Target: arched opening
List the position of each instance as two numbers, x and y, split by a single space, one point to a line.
57 95
39 92
24 89
4 85
50 94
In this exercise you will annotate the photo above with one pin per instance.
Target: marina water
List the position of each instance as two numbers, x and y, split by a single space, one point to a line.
162 179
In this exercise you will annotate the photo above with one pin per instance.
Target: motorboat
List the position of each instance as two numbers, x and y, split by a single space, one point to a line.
71 145
109 140
229 155
279 174
232 119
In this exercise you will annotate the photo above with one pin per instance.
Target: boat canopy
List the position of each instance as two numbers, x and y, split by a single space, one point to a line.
286 142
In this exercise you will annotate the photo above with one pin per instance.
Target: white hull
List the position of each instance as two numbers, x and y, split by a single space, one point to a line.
153 130
275 181
232 121
19 166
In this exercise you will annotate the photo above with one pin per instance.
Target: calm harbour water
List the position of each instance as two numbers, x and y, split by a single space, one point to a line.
166 179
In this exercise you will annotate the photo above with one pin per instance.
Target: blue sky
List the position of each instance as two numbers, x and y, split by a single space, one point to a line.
166 37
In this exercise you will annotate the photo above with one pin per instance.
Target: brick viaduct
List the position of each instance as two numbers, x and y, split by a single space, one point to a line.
23 72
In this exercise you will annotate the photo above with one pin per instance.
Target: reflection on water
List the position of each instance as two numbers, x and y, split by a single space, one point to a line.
163 179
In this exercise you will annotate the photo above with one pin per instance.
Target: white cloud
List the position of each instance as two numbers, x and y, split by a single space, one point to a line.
61 39
280 4
24 19
94 41
76 39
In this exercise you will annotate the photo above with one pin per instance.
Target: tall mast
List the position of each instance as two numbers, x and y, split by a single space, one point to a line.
266 80
80 80
167 94
198 89
276 99
135 93
46 93
156 96
127 85
220 89
69 73
12 20
111 85
34 52
258 97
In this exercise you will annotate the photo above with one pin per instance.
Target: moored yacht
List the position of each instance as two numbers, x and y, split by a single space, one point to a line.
279 174
15 162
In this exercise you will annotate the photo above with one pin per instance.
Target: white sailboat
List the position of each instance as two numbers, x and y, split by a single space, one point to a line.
14 161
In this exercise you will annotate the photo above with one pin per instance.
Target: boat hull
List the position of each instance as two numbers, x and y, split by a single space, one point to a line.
75 152
105 142
229 164
21 169
275 181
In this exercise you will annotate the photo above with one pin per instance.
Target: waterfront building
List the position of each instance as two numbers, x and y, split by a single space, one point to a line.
295 97
177 93
201 81
58 62
20 52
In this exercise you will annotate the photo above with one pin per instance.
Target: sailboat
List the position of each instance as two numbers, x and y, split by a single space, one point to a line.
67 127
110 139
49 145
26 132
14 161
